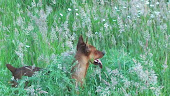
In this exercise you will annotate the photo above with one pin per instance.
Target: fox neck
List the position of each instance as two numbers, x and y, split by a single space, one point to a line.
84 64
82 67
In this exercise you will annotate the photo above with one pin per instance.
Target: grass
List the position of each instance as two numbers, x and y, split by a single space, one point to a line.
134 35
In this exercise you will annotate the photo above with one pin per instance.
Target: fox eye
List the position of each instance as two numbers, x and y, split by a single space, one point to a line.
95 52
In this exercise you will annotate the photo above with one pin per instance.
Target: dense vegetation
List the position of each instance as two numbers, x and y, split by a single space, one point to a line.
44 33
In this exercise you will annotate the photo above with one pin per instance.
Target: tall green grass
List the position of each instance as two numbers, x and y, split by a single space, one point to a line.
134 34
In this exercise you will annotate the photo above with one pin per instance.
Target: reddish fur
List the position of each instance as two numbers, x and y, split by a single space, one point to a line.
85 54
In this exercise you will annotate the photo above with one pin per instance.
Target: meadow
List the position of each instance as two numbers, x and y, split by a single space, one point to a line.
135 35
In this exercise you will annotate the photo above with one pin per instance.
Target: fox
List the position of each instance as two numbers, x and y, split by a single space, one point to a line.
22 71
85 54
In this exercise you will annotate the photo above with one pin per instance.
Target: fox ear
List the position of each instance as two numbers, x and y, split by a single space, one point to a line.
87 46
11 68
87 49
80 42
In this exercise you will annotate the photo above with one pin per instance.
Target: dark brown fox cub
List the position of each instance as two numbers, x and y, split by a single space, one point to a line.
22 71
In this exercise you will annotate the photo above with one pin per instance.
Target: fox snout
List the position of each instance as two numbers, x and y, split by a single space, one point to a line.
98 54
103 53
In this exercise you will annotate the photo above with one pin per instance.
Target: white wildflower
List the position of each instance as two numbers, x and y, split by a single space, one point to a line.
137 6
76 9
54 1
77 14
27 46
59 66
128 16
96 33
116 8
12 78
69 9
151 5
106 25
61 14
114 20
124 7
147 2
157 3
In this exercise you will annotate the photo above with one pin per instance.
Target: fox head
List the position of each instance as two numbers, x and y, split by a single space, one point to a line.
88 50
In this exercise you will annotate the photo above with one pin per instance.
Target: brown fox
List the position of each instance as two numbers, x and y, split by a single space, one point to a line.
22 71
84 55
